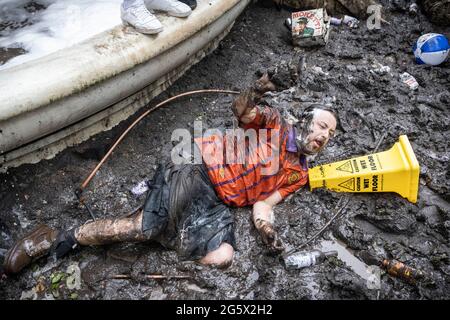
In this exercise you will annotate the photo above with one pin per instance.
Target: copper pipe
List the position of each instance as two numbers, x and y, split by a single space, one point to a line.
89 178
151 276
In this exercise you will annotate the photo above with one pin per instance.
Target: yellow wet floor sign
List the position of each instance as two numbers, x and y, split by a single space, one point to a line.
395 170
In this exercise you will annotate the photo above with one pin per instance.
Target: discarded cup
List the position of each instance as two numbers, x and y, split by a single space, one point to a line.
409 80
350 21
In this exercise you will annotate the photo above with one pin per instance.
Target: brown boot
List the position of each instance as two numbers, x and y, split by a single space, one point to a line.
33 245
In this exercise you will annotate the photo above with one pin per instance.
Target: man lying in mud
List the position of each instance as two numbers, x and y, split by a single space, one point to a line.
187 205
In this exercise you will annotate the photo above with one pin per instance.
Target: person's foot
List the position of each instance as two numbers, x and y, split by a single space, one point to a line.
191 3
32 246
141 19
172 7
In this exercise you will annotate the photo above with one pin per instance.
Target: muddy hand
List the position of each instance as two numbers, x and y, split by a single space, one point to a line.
244 103
263 84
270 236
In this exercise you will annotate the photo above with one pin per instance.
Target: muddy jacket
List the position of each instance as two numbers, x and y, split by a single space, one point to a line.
261 166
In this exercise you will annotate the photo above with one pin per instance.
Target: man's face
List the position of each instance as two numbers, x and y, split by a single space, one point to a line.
301 27
321 128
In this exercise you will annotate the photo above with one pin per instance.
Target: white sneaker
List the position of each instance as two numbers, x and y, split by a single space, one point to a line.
141 19
172 7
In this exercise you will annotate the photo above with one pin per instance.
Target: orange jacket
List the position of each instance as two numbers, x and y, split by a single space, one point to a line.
265 165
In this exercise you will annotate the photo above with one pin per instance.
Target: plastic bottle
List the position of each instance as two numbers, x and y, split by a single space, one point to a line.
399 270
306 259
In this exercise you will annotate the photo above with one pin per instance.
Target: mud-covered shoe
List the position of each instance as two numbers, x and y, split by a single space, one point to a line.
32 246
172 7
191 3
141 19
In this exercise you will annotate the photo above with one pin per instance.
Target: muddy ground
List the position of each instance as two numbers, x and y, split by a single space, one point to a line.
373 226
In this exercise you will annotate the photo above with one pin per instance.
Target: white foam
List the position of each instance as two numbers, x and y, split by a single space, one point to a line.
62 24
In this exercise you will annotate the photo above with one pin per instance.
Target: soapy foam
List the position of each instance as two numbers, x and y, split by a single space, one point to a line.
62 24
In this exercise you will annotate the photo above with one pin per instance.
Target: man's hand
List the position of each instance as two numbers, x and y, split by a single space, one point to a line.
263 84
269 235
244 105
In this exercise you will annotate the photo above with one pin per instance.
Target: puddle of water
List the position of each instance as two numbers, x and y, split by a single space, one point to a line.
345 255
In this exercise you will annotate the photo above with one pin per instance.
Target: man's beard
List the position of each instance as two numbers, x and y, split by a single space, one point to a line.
304 128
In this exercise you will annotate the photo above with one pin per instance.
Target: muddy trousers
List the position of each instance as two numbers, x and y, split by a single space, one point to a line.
106 231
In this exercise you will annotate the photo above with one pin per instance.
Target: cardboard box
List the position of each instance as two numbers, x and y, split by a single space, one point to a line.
310 28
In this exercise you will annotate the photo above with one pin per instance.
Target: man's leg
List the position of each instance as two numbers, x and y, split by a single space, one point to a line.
44 240
222 257
105 231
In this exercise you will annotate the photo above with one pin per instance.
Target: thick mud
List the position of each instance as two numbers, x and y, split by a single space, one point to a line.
370 103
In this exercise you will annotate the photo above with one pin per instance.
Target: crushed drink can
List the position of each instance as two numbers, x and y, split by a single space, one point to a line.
350 21
409 80
310 28
335 21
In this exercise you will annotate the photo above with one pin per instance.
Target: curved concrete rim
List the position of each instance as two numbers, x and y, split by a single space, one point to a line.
42 132
40 82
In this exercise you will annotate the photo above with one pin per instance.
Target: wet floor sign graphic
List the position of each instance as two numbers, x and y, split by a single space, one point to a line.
395 170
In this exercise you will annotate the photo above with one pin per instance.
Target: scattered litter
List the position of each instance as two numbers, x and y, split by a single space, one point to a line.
55 282
73 281
400 270
306 259
309 28
73 296
48 296
319 71
140 188
335 21
409 80
378 68
350 21
29 295
194 287
381 70
413 9
40 287
351 68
